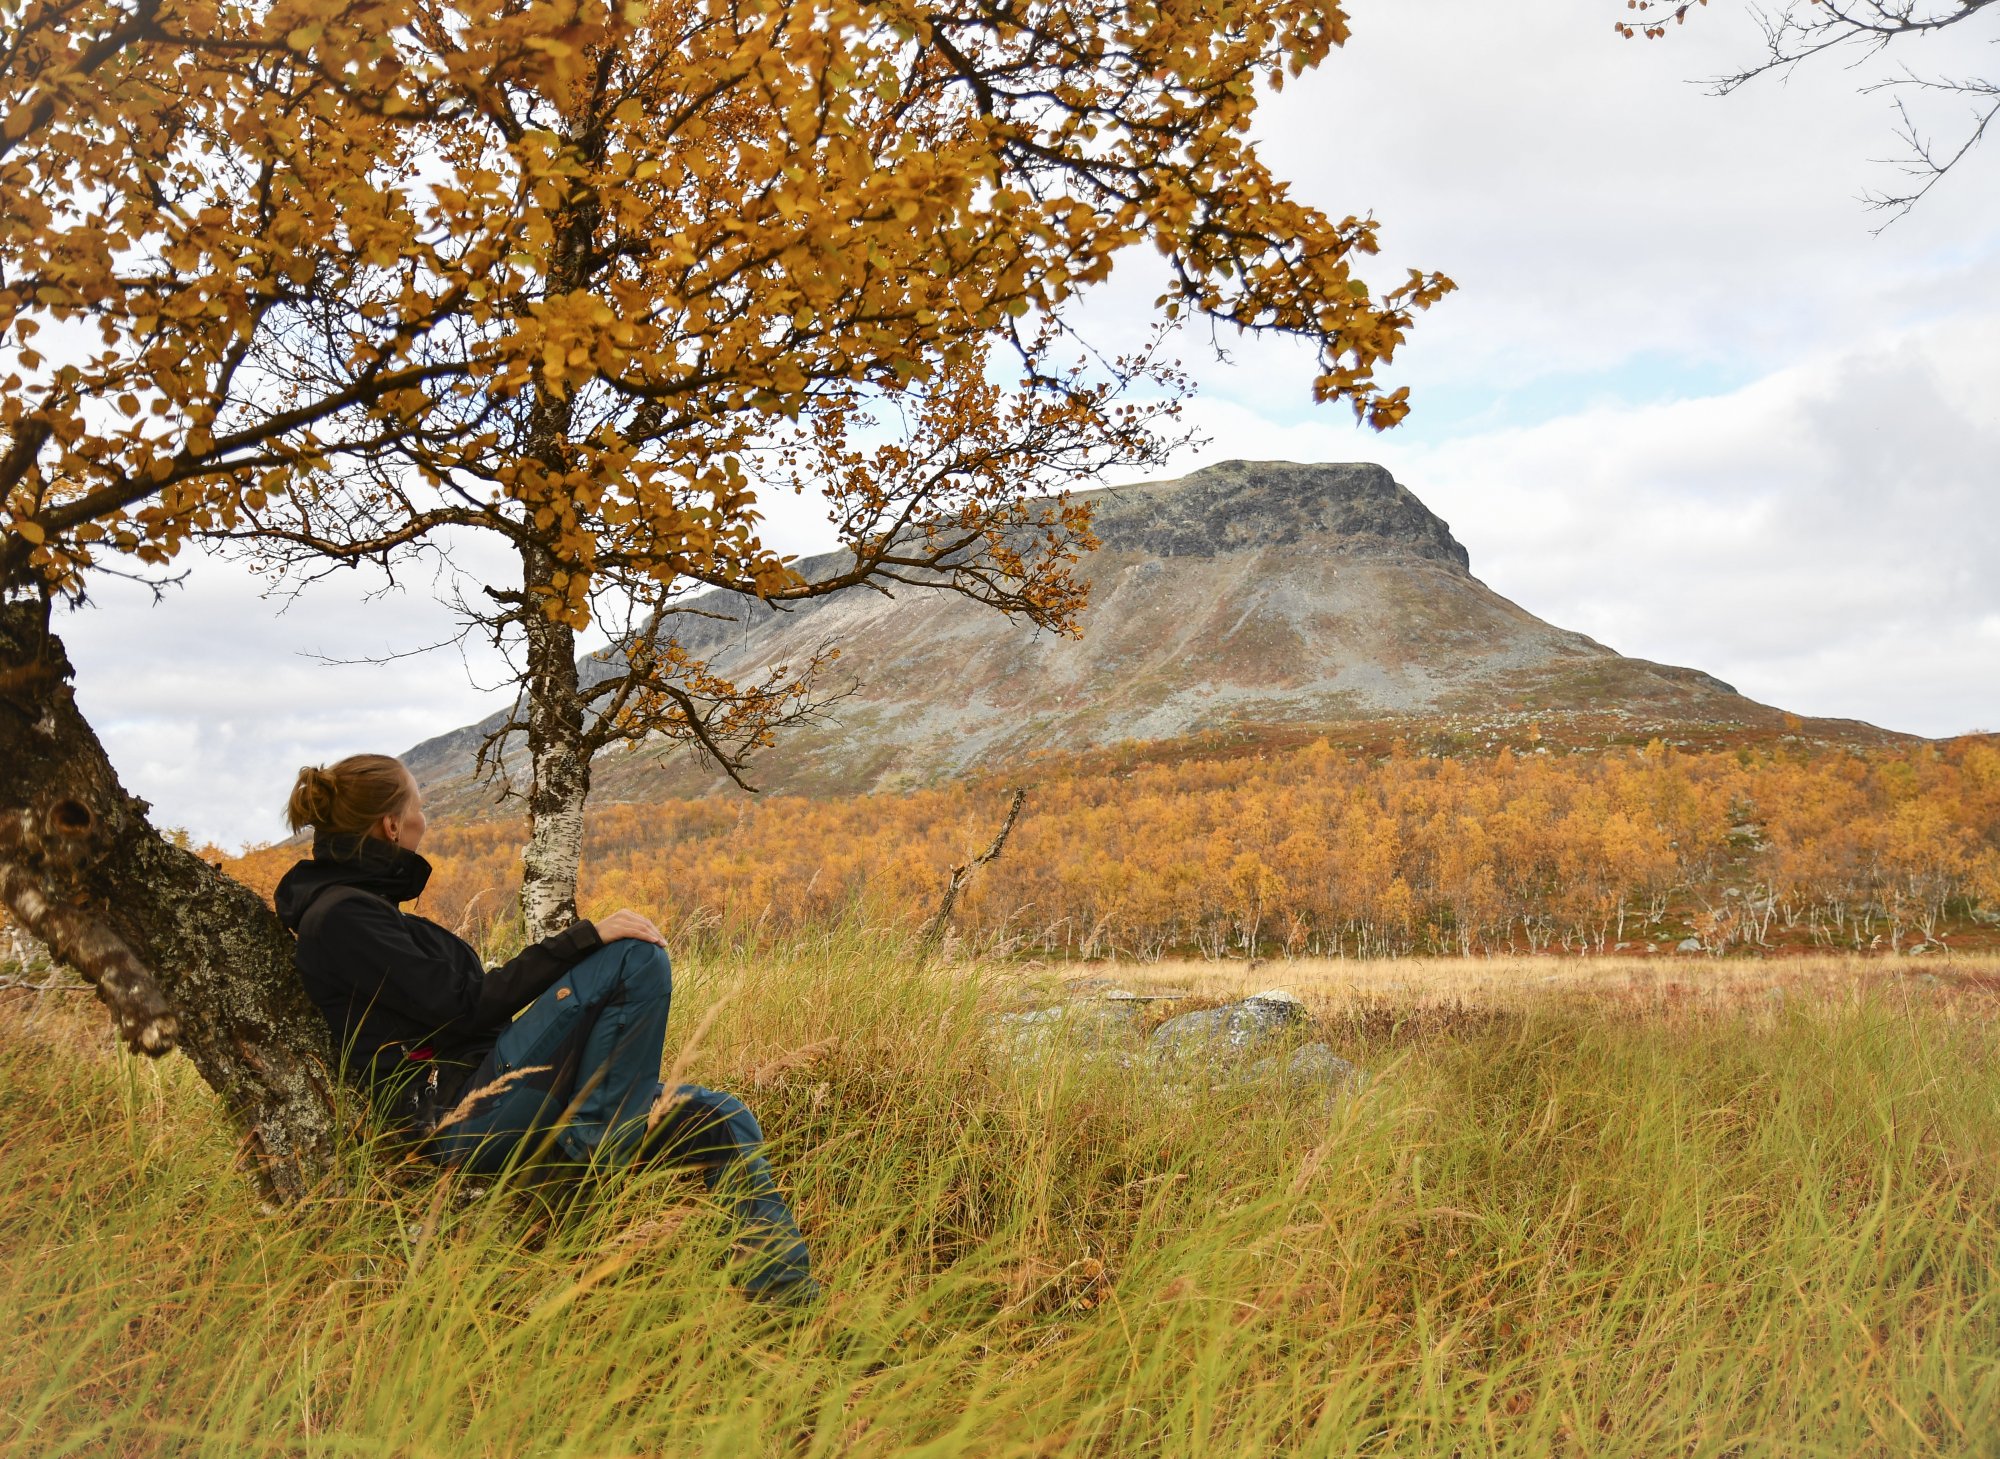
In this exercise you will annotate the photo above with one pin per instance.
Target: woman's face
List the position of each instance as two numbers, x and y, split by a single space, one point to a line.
404 827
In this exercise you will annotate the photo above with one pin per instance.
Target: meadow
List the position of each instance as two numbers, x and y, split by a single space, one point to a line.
1581 1207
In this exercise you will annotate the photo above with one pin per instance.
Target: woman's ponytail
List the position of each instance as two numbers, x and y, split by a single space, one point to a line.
349 796
312 798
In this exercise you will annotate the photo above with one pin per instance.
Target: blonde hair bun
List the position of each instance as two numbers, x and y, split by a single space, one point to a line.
348 797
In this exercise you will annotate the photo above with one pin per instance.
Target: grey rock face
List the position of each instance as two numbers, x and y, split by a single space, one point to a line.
1249 594
1240 504
1231 1031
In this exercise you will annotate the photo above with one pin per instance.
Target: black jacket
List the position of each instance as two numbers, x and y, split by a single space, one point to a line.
392 984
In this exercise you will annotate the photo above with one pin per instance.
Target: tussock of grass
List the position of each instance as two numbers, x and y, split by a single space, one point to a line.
1567 1227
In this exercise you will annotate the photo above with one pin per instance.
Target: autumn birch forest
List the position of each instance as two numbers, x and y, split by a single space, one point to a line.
1323 851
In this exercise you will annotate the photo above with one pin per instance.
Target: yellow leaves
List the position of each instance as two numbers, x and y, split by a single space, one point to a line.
305 37
30 530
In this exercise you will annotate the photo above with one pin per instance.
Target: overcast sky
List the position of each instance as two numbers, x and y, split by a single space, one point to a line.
1685 401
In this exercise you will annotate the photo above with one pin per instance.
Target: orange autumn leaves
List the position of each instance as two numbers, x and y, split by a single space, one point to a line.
313 233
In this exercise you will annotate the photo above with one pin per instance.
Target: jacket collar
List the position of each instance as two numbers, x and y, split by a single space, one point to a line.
372 864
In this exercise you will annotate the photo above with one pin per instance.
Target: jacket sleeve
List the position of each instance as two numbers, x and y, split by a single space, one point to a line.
512 986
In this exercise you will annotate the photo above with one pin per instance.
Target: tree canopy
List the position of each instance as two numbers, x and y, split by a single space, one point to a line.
804 198
602 269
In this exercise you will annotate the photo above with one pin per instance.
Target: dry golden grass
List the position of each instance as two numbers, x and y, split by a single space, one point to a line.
1589 1217
1514 982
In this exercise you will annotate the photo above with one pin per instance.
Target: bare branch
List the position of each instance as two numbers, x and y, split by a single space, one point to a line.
1802 30
940 921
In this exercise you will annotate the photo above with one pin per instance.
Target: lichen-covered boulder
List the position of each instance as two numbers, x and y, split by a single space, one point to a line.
1231 1032
1102 1022
1313 1066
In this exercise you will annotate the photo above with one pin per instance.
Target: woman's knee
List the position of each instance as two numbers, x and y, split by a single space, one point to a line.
645 968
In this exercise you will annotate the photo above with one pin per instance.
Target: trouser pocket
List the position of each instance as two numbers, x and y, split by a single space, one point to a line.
538 1050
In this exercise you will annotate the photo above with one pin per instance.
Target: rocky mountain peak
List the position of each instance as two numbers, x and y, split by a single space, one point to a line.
1355 507
1267 595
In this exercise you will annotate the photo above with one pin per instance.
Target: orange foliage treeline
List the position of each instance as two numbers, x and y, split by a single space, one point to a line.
1314 851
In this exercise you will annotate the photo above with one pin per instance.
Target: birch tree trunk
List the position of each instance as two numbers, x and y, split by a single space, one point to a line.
182 955
558 753
559 763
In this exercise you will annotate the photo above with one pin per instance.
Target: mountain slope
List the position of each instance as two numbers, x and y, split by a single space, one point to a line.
1248 594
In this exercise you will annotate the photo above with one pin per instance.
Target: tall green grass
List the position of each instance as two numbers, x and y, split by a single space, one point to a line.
1583 1228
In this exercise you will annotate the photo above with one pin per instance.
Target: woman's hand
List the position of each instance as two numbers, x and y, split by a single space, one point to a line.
627 923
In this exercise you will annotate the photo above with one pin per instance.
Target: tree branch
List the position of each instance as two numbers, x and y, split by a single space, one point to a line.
146 1020
941 921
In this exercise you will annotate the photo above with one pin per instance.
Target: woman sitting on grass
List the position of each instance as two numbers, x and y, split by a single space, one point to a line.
575 1079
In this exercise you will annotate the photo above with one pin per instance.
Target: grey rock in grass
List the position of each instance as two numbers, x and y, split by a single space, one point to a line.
1254 1039
1311 1066
1092 1023
1688 944
1231 1031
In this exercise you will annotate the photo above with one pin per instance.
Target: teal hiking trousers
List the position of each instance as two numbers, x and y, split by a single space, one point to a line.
574 1081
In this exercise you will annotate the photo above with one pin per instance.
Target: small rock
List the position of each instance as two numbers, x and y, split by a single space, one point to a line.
1279 997
1688 944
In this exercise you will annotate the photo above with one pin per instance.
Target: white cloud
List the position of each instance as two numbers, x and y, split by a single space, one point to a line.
210 700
